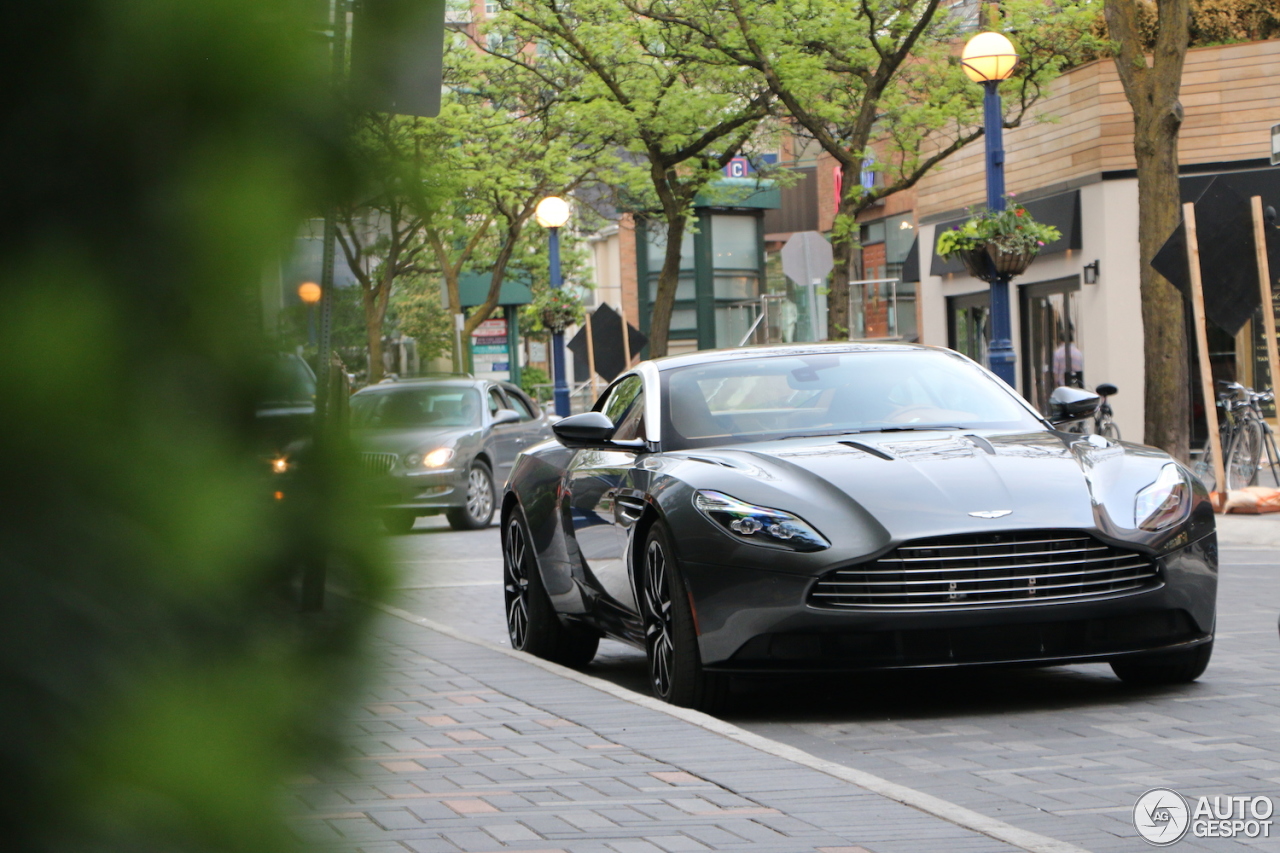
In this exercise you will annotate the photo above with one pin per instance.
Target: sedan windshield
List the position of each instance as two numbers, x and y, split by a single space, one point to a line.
410 408
834 393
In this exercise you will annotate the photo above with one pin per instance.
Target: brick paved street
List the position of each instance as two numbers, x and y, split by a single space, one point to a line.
1061 752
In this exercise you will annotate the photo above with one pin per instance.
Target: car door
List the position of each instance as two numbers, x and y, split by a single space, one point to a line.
594 479
533 426
504 439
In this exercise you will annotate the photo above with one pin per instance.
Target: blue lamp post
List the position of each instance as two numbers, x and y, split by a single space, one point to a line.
552 213
989 58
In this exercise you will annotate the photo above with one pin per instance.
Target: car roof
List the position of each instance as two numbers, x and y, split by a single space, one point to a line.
765 351
421 382
438 381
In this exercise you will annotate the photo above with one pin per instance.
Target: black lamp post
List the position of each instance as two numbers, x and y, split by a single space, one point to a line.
552 214
989 58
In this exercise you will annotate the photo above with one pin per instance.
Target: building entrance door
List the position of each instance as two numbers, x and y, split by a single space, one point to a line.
1051 354
968 325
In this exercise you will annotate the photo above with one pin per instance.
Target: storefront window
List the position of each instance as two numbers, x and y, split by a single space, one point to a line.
1050 337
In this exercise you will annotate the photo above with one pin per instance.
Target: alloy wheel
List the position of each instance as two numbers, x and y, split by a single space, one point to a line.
658 625
479 495
516 585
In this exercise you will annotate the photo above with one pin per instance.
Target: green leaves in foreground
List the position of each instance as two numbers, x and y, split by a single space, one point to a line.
157 687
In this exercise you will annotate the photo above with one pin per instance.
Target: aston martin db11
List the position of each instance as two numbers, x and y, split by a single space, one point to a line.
844 507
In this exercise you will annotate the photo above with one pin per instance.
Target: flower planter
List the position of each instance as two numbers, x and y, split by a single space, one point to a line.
1010 263
991 262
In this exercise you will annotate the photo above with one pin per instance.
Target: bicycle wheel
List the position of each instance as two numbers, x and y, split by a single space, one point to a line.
1108 429
1203 469
1244 454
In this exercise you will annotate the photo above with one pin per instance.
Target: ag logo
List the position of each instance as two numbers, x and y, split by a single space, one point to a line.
1161 817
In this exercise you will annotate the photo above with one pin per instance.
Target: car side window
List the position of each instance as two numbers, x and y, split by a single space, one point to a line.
521 405
632 425
624 405
495 401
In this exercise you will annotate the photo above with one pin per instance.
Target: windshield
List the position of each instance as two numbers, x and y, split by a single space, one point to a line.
409 408
288 381
833 393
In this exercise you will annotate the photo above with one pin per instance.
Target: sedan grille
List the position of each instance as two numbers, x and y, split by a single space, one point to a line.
1023 567
378 463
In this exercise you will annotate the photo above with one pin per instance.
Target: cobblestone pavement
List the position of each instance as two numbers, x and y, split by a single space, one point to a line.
1062 752
460 748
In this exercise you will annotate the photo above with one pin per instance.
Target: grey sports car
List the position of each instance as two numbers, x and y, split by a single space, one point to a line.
438 445
847 507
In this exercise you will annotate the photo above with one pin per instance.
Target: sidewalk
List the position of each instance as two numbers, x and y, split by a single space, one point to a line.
467 746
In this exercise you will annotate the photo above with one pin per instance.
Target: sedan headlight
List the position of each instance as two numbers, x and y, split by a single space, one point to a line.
1165 502
437 458
759 524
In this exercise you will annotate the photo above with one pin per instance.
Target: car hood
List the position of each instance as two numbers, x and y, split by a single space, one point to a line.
402 441
897 486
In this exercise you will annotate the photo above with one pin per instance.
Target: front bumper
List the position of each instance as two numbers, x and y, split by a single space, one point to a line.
429 492
756 620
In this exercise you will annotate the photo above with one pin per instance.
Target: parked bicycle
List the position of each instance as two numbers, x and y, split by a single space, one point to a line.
1245 436
1103 422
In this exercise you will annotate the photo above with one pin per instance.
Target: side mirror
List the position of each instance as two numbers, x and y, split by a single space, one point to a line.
506 416
589 429
1068 404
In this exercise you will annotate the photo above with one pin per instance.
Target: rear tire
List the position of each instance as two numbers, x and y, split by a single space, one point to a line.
477 512
1169 668
532 623
671 640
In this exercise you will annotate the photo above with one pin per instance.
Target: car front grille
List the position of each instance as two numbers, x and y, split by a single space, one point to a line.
1023 567
378 463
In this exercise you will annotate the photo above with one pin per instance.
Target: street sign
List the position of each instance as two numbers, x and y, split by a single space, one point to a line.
807 258
1275 145
489 351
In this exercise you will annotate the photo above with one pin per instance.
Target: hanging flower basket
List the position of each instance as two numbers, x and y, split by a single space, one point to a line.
997 244
558 309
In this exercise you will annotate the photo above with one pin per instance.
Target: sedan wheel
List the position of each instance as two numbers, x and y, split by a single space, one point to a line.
478 510
671 642
532 622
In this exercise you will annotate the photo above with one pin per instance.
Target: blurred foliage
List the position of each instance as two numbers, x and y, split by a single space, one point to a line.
421 315
530 380
157 687
295 329
1212 22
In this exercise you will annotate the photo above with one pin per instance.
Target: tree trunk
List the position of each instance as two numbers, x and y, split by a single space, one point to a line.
1152 91
1167 392
373 335
668 279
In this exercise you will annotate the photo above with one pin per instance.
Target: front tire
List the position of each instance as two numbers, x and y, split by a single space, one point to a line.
477 512
671 640
1170 668
532 623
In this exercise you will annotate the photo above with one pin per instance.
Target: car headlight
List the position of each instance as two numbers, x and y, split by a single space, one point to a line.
1165 502
759 524
280 465
437 458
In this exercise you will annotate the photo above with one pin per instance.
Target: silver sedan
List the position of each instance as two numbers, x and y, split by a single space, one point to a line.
439 445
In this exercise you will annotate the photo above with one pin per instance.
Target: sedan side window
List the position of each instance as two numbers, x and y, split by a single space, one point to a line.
495 401
521 405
